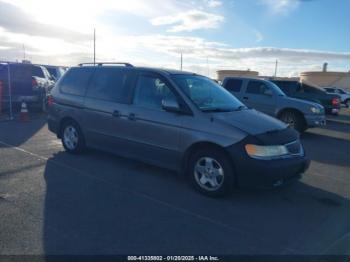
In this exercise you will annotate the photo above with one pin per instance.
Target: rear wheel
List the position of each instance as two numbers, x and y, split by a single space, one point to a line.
210 172
72 138
294 120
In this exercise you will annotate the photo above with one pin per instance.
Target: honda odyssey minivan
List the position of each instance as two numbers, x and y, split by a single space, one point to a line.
176 120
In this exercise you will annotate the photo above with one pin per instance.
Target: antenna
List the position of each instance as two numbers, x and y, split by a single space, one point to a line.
94 46
181 61
276 67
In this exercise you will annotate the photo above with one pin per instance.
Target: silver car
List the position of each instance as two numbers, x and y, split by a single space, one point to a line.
177 120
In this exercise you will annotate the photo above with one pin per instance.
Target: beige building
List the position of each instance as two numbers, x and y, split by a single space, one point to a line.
328 79
221 74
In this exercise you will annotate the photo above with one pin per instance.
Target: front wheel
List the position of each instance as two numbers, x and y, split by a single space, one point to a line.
294 120
72 138
211 172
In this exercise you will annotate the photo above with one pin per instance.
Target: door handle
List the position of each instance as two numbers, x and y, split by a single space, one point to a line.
245 98
116 113
132 117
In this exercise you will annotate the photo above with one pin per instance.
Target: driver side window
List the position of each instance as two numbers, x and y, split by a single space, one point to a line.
151 91
258 88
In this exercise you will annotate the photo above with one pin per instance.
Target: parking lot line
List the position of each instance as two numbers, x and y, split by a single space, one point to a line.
143 195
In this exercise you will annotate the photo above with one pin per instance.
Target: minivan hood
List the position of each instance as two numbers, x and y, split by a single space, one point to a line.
250 121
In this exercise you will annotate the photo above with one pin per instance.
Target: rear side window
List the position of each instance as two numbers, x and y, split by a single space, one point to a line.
234 85
3 73
109 84
75 81
37 71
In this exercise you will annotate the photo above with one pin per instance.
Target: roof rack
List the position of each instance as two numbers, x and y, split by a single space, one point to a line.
107 63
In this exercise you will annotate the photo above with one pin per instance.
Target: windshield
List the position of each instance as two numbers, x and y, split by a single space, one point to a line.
277 90
52 72
207 95
312 89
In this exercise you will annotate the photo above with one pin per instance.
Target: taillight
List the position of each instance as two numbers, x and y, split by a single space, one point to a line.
336 101
50 100
34 82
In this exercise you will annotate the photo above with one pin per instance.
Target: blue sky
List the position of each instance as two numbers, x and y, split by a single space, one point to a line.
211 34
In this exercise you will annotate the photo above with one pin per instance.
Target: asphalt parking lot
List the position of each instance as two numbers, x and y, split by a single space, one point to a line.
96 203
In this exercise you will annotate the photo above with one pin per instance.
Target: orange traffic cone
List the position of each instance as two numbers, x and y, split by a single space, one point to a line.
24 117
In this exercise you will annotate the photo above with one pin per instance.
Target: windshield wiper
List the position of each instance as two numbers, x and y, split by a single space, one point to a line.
223 110
217 110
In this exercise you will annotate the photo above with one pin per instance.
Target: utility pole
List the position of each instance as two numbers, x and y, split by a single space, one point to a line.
181 61
94 46
276 67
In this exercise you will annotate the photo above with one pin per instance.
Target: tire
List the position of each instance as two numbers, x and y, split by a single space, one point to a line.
72 138
43 107
217 167
294 120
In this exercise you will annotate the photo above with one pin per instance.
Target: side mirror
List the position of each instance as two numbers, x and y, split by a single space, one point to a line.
171 106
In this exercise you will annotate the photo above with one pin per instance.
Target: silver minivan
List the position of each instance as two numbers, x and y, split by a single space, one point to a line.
176 120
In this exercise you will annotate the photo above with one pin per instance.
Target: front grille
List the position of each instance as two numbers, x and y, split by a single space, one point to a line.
295 148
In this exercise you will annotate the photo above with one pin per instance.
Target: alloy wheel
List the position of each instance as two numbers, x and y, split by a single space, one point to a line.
209 174
70 137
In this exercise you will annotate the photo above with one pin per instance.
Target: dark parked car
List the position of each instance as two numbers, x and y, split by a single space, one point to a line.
29 83
181 121
268 98
55 71
312 93
344 95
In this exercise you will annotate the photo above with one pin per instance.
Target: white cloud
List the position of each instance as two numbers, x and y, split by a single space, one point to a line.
189 21
214 3
281 6
82 15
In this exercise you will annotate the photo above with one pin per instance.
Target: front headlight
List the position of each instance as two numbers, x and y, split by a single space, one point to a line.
266 152
316 110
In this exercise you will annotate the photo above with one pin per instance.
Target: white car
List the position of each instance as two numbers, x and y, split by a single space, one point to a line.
344 95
